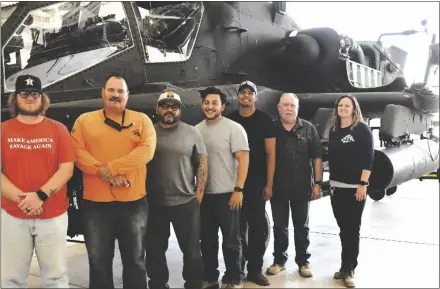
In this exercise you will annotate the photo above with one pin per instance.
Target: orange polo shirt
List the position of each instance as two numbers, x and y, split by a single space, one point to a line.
126 152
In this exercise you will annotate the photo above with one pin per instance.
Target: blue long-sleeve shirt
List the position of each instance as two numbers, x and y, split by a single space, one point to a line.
350 151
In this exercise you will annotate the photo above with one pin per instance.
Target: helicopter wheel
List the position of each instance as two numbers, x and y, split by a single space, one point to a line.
268 231
391 191
377 195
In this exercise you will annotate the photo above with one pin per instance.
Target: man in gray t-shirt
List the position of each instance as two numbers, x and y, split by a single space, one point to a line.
228 151
175 185
223 139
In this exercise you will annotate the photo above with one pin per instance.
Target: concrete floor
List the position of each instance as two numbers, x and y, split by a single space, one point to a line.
399 246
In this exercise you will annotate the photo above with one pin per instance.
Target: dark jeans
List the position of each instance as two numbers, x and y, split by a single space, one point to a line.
348 214
103 224
254 228
300 219
215 214
186 223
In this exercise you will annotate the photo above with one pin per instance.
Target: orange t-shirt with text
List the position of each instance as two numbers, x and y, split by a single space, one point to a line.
31 154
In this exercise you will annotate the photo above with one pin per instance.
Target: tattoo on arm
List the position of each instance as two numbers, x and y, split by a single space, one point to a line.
202 173
52 191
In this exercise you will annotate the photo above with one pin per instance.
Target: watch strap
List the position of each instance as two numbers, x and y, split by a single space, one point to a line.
364 183
42 195
238 189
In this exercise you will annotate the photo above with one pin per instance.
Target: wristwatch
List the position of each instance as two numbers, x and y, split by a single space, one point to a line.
318 182
238 189
363 183
42 195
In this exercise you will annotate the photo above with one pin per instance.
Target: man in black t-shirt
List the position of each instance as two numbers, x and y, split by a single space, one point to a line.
259 181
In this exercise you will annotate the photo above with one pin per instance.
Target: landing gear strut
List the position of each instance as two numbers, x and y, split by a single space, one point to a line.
377 195
391 191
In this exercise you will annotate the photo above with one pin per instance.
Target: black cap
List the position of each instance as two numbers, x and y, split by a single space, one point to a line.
27 82
249 84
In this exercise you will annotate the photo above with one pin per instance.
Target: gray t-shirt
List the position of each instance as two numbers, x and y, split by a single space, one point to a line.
171 176
222 140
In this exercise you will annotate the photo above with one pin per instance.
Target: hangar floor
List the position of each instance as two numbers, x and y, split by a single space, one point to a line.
399 246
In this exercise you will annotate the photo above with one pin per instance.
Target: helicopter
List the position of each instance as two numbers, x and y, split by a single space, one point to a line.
187 46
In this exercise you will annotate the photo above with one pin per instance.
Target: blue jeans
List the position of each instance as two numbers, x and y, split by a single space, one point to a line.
186 223
215 213
20 236
300 220
103 224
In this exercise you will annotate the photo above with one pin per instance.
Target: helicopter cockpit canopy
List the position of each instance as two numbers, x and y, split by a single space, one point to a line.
6 10
62 39
169 29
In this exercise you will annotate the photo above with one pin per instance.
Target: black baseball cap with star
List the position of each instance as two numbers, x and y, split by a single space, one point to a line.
27 82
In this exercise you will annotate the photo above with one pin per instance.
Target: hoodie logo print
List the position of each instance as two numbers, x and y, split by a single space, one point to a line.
347 139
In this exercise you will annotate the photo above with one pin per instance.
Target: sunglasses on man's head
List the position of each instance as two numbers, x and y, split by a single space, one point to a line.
26 94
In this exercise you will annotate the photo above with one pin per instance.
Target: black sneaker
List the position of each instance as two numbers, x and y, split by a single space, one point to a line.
259 279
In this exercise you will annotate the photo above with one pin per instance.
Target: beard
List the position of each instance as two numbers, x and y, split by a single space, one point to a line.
245 103
213 117
173 120
24 110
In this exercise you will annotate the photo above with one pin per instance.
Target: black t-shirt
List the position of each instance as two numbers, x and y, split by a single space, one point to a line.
258 126
350 152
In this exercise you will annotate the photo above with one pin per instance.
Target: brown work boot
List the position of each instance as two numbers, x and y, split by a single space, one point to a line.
348 278
210 285
275 269
305 271
259 279
339 275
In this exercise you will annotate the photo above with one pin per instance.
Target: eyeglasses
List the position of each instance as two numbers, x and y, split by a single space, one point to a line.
25 94
175 107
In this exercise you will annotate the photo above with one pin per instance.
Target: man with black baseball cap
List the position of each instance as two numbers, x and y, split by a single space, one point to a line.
254 224
248 84
29 85
37 162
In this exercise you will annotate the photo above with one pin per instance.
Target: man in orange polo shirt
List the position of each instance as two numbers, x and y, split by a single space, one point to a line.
37 161
112 147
